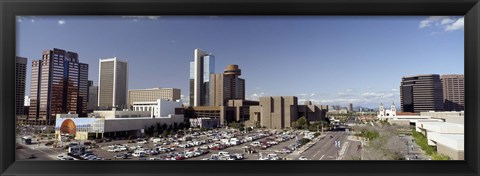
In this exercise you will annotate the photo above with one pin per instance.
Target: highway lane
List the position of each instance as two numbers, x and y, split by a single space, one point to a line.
325 148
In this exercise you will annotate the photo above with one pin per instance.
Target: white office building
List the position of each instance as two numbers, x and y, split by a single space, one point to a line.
159 108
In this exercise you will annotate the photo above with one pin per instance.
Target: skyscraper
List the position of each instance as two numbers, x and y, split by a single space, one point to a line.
350 107
112 83
453 92
421 93
200 70
20 75
92 97
226 86
58 86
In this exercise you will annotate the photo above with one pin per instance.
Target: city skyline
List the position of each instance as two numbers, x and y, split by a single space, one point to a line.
323 59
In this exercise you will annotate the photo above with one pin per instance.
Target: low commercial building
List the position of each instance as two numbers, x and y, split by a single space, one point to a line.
207 123
110 124
114 113
158 108
235 111
449 116
224 113
447 137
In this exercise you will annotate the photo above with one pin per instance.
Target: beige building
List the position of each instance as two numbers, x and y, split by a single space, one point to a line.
112 83
274 112
242 108
153 94
282 111
224 113
453 92
312 112
226 86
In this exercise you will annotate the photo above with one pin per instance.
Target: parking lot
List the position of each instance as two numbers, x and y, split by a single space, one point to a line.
218 144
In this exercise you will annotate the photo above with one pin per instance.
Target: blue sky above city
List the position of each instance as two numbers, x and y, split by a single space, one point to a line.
329 60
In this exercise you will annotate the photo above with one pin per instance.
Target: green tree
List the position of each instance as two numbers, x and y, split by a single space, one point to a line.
301 123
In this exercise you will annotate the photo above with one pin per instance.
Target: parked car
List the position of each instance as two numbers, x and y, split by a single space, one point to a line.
302 158
122 156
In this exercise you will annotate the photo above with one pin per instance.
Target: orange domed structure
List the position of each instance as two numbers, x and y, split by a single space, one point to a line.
68 127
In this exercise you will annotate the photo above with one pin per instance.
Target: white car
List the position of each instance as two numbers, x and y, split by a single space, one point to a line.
302 158
142 142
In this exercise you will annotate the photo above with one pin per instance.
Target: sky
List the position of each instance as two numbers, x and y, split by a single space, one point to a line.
329 60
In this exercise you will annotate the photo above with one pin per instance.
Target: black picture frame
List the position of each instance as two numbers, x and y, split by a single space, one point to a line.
10 8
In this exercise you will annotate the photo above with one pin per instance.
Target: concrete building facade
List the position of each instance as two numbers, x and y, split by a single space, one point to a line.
453 92
112 83
200 70
312 112
274 112
242 108
280 112
421 93
153 94
226 86
58 86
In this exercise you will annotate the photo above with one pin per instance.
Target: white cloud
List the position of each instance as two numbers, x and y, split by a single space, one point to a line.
432 19
455 26
185 99
136 18
25 18
445 23
61 22
256 96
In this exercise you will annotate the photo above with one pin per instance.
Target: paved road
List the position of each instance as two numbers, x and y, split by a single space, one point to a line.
40 153
325 148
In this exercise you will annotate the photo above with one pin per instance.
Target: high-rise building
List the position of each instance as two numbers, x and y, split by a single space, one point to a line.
92 103
58 86
421 93
350 107
153 94
112 83
453 92
20 76
226 86
200 70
